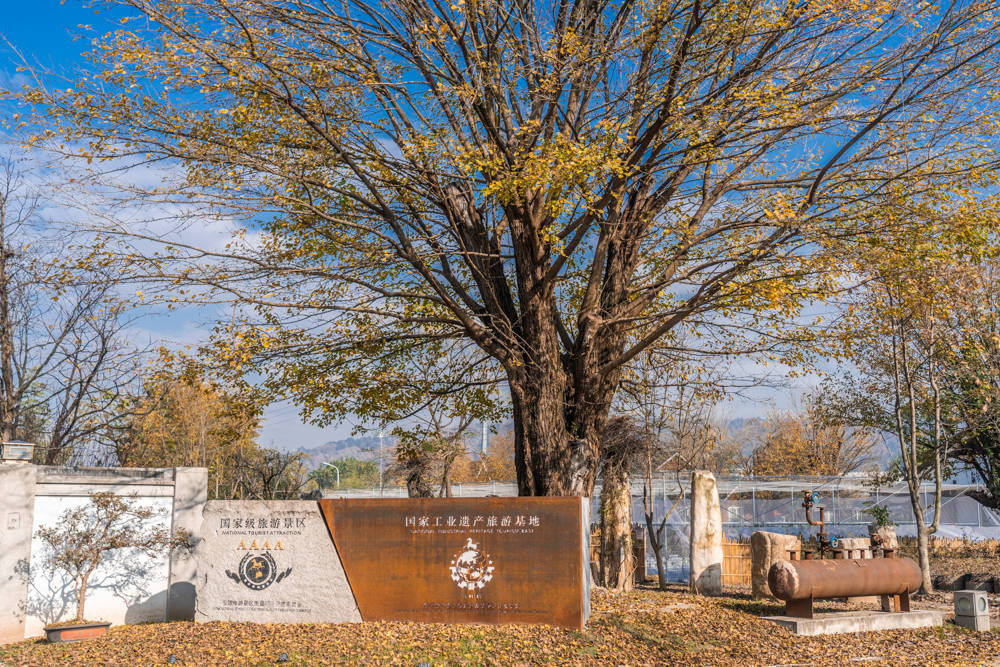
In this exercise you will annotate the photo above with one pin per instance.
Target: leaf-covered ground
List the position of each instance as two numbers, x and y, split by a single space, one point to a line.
960 566
641 628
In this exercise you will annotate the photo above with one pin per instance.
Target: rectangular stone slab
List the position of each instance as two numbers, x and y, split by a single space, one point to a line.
464 560
269 562
858 621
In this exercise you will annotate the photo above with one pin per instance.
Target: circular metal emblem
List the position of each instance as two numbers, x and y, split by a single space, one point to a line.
257 570
471 569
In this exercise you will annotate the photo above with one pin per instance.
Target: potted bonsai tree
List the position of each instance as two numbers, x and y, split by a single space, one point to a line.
84 536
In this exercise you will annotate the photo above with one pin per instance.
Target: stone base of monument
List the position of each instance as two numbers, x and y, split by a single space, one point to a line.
858 621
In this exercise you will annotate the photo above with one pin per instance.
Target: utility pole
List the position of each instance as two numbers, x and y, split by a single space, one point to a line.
381 487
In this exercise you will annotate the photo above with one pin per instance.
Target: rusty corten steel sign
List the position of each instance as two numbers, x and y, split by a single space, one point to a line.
464 560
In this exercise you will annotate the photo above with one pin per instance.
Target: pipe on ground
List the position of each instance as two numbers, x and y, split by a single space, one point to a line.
818 579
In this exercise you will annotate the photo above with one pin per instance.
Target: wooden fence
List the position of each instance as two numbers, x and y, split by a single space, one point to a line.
638 552
735 557
735 562
945 547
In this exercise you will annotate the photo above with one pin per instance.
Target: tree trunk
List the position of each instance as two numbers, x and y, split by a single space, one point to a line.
616 528
657 544
8 407
926 585
445 491
81 598
417 485
556 435
903 384
655 534
560 398
923 542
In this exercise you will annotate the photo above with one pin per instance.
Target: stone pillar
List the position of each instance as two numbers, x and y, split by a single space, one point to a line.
17 482
766 549
882 537
190 495
706 535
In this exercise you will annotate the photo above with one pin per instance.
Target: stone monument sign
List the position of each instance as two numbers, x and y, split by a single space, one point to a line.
706 535
465 560
270 562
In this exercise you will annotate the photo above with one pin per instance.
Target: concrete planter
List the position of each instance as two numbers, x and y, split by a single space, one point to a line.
76 632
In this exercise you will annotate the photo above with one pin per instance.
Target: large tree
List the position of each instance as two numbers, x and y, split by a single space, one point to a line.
555 186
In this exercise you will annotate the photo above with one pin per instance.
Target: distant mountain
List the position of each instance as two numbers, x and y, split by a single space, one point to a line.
364 448
737 423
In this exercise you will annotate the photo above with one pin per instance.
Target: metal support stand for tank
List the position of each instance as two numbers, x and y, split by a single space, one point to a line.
893 603
804 608
807 502
799 608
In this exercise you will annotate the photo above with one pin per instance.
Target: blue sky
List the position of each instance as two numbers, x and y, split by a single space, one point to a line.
43 32
42 29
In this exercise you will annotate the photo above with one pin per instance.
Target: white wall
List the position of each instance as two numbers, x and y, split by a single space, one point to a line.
128 588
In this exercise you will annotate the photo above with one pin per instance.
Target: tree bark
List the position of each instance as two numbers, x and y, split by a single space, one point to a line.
445 490
661 572
417 485
616 528
655 534
81 597
656 542
8 401
556 434
923 544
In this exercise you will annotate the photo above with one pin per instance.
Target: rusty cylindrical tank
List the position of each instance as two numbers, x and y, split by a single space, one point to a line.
817 579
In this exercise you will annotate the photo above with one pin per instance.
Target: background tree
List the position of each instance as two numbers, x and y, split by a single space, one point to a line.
427 453
354 474
970 376
497 463
896 393
438 394
64 356
894 335
807 443
183 418
671 399
267 474
556 186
